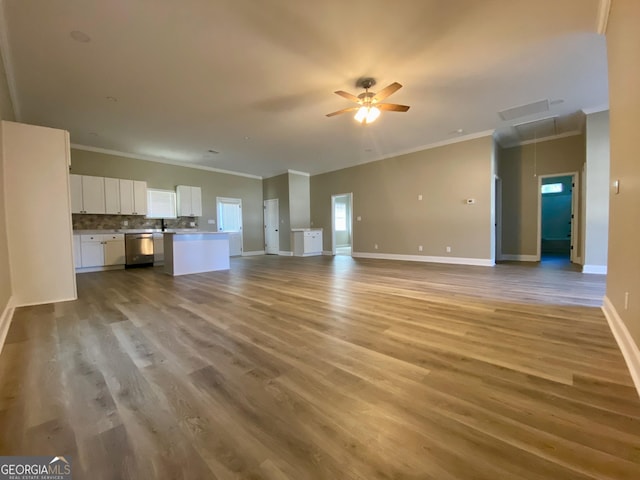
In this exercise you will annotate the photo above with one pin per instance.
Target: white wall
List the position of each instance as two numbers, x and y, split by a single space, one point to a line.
38 213
597 192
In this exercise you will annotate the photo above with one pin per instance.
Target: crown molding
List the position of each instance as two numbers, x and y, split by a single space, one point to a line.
603 16
5 51
572 133
297 172
598 109
149 158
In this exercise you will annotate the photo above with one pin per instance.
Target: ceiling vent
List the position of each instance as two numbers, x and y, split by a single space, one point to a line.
545 127
524 110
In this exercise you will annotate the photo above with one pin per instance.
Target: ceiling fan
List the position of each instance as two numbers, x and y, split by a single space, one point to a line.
369 107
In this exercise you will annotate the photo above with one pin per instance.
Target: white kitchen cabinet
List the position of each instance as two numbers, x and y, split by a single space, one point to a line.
112 196
306 242
77 251
87 194
102 250
189 201
113 249
133 197
139 197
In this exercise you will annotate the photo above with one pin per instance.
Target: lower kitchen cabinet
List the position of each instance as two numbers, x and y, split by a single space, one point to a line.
306 242
101 250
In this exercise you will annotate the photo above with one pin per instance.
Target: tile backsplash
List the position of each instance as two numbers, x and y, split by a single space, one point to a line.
112 222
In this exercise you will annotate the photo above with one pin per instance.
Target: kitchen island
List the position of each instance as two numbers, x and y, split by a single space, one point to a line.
195 252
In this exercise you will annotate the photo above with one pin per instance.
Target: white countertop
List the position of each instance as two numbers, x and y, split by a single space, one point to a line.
306 229
196 233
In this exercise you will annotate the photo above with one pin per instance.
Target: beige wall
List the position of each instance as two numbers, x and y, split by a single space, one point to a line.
299 200
278 187
164 176
385 196
623 50
518 168
6 113
597 190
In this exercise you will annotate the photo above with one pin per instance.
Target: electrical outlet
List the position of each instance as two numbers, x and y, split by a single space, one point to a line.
419 248
193 224
375 246
211 221
420 197
125 223
448 249
358 218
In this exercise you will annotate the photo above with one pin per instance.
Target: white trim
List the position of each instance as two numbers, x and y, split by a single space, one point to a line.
253 253
483 262
518 258
627 346
572 133
104 268
285 253
603 16
297 172
595 269
598 109
5 318
150 158
429 146
327 252
48 302
5 51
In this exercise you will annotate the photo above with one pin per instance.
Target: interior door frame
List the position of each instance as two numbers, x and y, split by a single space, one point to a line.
498 217
277 224
575 214
333 220
220 200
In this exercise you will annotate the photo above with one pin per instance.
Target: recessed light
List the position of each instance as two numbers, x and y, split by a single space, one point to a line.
459 130
79 36
112 99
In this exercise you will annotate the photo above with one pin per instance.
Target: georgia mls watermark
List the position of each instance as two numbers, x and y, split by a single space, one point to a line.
35 468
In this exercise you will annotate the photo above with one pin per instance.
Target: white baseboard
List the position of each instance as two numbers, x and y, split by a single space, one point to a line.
519 258
595 269
483 262
5 322
628 347
106 268
253 253
284 253
327 252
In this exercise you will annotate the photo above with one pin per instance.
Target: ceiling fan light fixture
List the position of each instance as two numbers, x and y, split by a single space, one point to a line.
367 114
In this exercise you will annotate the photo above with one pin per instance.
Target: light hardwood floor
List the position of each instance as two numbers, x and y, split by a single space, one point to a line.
324 368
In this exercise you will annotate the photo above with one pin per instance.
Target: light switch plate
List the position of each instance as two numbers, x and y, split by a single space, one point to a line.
211 221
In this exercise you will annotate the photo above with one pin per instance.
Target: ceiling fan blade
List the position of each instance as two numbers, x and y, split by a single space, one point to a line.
348 96
344 110
392 107
386 91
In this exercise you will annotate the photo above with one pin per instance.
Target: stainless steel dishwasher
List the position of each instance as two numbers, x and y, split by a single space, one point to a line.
138 249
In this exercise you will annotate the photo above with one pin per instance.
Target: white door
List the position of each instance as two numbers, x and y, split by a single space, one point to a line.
271 229
230 221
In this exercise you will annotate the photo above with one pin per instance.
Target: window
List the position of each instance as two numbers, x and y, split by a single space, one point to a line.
341 217
161 203
229 215
552 188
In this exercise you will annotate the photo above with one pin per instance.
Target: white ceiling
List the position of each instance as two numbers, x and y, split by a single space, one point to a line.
253 79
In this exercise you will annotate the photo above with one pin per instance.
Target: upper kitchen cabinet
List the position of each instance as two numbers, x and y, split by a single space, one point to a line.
189 201
87 194
133 197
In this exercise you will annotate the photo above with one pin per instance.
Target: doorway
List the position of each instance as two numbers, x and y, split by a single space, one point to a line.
342 224
271 230
498 218
557 217
230 221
